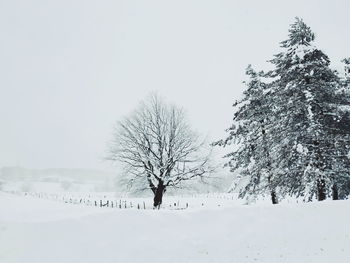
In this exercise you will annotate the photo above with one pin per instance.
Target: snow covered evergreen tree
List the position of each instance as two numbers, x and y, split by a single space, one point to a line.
346 62
252 139
291 135
304 95
341 131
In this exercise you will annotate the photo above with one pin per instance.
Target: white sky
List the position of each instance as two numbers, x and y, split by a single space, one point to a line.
70 69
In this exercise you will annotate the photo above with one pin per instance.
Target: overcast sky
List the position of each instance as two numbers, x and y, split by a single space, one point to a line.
70 69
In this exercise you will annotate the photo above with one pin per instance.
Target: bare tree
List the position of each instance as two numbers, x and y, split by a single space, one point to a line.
158 149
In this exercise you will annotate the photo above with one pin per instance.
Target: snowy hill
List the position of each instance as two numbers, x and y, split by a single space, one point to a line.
34 230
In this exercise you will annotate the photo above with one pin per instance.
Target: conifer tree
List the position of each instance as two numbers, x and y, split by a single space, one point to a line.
304 93
250 133
340 156
292 135
346 82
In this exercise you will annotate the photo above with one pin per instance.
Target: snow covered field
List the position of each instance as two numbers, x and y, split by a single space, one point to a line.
34 230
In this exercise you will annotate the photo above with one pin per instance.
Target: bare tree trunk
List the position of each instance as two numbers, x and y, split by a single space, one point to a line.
335 193
321 183
321 190
158 195
267 153
274 197
272 190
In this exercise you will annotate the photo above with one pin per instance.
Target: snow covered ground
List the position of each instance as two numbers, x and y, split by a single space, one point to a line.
34 230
